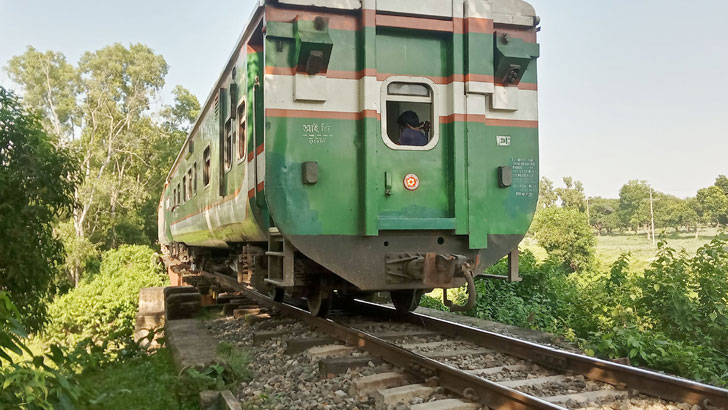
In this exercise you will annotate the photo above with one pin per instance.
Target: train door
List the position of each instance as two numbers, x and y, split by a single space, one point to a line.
415 159
417 181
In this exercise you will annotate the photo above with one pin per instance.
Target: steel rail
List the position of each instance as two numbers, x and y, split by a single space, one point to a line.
645 381
450 378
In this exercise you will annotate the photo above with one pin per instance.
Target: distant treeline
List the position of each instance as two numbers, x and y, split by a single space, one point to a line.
639 206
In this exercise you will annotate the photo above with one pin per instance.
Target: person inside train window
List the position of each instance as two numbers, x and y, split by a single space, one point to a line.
411 133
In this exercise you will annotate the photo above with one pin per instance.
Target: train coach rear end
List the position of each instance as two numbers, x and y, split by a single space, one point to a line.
352 147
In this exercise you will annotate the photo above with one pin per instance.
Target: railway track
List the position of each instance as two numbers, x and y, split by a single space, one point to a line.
483 367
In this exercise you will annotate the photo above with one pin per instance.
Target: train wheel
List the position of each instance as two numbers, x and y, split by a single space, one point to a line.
276 293
406 300
319 298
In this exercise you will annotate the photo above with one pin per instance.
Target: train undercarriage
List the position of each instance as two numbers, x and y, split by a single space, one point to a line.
251 264
277 269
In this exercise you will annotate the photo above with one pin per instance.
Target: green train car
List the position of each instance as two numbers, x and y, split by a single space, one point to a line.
354 146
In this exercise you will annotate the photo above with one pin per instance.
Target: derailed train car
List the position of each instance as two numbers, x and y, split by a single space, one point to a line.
297 177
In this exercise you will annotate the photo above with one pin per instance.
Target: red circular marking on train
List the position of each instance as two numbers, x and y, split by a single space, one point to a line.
411 182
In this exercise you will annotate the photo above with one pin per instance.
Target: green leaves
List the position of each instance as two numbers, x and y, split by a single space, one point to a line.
103 307
566 236
671 317
37 180
28 383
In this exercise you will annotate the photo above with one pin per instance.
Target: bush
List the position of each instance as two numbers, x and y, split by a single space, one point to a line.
566 236
103 307
673 317
31 383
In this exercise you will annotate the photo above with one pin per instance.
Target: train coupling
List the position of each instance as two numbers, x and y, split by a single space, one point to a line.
439 271
472 293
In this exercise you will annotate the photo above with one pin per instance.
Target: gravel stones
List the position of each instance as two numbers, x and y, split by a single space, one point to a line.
287 382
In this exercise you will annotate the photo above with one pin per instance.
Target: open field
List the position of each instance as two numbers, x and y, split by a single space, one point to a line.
609 247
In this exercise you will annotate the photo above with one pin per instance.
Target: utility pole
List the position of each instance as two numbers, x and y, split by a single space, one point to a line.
587 211
652 218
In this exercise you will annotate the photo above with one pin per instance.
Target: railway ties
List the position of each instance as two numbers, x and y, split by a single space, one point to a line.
393 388
475 366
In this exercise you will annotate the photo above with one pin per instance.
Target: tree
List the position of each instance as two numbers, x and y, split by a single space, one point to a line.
125 146
50 84
603 214
37 181
566 236
546 196
572 195
632 199
674 212
713 204
722 183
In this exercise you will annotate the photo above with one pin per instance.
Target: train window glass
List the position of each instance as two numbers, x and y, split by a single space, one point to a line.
228 144
241 130
206 167
184 188
189 184
179 193
174 195
409 107
194 178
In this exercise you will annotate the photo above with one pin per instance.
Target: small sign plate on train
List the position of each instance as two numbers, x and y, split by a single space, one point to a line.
503 140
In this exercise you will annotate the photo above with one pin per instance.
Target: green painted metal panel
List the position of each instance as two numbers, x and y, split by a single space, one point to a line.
478 53
494 209
416 223
329 206
415 53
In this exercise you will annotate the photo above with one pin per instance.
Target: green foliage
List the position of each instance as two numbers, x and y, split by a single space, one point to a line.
80 256
566 236
237 361
11 330
103 110
50 84
546 195
103 307
30 384
432 303
140 382
603 214
572 195
672 317
688 296
37 179
713 205
631 196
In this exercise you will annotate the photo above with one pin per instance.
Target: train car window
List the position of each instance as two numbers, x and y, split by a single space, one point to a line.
241 130
179 193
194 177
184 188
206 167
228 144
409 106
174 194
189 183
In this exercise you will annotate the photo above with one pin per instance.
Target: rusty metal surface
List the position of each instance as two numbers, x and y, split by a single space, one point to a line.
645 381
477 389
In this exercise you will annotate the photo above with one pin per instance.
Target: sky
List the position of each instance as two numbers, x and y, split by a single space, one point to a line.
628 89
